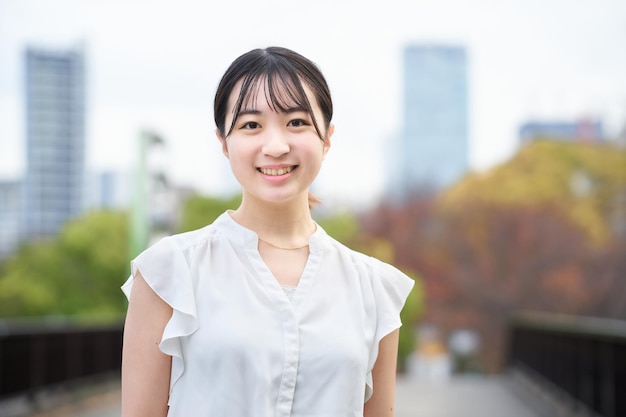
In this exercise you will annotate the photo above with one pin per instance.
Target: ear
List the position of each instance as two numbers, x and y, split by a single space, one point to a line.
223 142
329 133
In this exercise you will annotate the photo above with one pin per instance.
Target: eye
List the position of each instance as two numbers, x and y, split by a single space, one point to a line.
297 123
250 125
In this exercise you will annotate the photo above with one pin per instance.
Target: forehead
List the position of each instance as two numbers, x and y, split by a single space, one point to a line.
278 93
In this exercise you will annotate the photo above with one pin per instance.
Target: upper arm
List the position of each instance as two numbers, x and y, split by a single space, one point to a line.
145 369
382 402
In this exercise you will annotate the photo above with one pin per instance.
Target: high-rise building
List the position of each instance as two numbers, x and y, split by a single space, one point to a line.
433 143
55 140
583 130
108 190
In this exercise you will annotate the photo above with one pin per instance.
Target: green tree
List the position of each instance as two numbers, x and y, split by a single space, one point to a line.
77 273
410 315
199 211
23 291
95 250
344 226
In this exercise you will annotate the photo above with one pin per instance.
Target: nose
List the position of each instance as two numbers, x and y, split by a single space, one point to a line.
276 143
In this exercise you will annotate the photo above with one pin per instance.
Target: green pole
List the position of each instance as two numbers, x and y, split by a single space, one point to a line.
139 224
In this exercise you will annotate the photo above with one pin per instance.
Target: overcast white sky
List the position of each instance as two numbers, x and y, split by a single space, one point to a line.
156 64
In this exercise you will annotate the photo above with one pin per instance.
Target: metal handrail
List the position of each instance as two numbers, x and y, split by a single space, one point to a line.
37 354
584 358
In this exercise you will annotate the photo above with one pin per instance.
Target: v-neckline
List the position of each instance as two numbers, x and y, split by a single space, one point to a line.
249 240
274 286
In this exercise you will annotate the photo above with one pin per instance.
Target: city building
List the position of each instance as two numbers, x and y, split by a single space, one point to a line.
55 140
10 198
583 130
433 142
109 190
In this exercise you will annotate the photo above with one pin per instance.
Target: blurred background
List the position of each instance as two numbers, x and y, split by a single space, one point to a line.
480 146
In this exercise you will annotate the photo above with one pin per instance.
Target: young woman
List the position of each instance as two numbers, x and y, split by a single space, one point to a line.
262 313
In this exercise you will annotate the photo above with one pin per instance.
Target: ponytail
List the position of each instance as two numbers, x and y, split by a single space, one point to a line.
314 201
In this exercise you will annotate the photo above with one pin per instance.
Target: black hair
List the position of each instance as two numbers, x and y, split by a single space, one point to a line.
283 71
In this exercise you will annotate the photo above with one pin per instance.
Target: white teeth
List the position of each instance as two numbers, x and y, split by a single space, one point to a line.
275 172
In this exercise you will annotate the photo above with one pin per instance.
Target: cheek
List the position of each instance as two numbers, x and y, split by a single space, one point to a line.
238 154
315 154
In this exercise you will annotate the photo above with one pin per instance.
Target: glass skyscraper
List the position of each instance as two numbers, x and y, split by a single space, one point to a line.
433 150
55 140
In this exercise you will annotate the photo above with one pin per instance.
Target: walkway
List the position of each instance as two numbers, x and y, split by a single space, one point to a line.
459 397
465 397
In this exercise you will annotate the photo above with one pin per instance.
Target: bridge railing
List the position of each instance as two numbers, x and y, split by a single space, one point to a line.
36 355
580 360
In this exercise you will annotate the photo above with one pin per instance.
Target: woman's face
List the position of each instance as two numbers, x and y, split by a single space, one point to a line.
275 155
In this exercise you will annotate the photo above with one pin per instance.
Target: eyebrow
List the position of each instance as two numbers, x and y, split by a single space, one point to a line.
243 112
294 109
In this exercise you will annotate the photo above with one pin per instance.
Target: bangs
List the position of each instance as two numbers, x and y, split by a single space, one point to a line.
283 91
280 94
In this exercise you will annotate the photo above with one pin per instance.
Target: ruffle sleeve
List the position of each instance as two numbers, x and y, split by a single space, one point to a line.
166 270
390 287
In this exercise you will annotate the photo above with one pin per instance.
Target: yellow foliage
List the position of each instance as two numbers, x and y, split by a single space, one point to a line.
584 181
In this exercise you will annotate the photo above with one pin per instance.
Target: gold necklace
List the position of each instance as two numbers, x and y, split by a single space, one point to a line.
282 248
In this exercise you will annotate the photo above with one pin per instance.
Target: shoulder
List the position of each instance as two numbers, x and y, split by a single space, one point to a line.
384 286
167 265
174 255
186 240
367 267
361 260
181 242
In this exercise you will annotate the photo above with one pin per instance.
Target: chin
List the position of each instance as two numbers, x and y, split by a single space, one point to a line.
283 198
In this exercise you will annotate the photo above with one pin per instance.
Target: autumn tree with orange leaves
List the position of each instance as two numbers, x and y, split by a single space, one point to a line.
544 231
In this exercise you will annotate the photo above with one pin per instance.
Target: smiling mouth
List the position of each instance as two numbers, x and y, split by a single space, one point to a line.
276 172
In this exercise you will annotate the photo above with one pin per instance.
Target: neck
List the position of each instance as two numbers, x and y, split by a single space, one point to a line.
286 224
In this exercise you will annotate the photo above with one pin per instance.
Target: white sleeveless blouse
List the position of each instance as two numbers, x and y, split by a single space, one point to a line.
241 348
